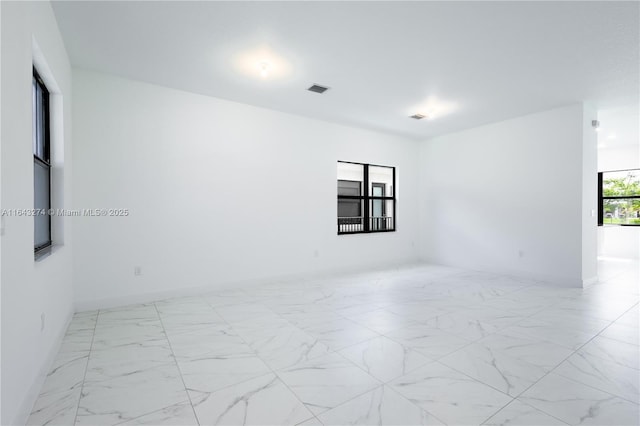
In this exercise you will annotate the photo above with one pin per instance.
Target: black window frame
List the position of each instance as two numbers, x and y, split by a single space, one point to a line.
365 199
602 198
43 161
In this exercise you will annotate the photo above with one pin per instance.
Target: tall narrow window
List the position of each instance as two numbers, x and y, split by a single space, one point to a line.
41 166
619 197
366 198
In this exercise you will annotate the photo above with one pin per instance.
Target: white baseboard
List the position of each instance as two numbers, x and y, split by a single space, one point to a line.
30 398
113 302
590 281
529 277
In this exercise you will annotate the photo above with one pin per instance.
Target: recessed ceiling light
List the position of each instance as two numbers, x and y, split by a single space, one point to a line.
262 63
432 108
316 88
264 69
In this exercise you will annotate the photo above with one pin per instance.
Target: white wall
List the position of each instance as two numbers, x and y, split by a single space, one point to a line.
619 241
1 217
508 197
219 192
619 138
589 180
619 158
31 288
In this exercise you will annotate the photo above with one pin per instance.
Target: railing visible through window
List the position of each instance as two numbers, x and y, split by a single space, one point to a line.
366 198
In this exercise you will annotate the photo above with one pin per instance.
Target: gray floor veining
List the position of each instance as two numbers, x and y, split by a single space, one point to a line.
423 345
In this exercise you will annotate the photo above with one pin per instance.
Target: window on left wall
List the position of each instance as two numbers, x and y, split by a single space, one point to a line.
41 166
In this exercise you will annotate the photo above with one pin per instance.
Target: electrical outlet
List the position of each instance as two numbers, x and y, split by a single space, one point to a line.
137 271
520 254
43 317
316 253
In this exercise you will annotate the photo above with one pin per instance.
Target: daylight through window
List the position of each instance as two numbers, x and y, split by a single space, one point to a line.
619 197
366 198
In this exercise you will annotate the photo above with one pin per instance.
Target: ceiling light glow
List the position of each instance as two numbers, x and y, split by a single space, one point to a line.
264 69
433 108
261 63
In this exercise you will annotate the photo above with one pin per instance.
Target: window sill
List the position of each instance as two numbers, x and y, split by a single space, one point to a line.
46 252
43 253
367 232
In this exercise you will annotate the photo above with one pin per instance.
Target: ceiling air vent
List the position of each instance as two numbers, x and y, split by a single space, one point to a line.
317 88
417 116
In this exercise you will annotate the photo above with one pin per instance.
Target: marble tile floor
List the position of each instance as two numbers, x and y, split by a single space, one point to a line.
420 345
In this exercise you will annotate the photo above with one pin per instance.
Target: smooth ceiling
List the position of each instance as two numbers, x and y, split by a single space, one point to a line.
483 61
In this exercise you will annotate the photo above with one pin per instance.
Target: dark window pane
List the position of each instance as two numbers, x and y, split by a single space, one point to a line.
348 187
42 191
34 111
349 216
41 167
349 208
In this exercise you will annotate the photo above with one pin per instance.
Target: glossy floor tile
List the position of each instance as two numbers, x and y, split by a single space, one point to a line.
129 396
508 374
325 382
381 406
265 400
576 403
450 395
384 358
420 345
518 413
